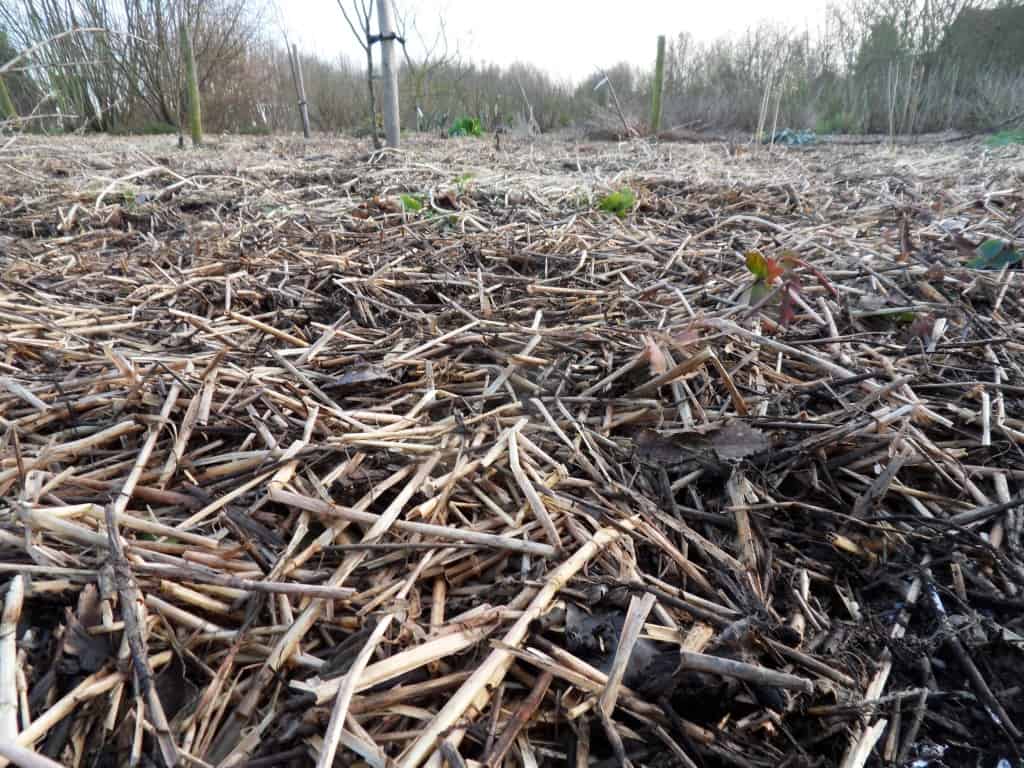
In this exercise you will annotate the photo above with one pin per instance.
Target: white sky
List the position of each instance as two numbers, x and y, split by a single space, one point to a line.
567 38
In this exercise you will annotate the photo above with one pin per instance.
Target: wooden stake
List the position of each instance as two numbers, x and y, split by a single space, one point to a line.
300 89
195 118
658 86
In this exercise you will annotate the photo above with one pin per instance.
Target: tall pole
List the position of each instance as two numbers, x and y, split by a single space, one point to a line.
195 117
300 86
389 72
659 84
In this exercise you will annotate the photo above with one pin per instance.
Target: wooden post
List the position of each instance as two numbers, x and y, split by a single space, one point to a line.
389 71
195 118
659 84
300 88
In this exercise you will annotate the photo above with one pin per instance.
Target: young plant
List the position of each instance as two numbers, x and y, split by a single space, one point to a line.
995 254
412 203
462 181
466 126
768 272
620 203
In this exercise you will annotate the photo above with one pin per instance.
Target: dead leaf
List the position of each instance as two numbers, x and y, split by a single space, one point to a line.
683 339
84 652
359 374
787 305
388 204
922 326
116 218
655 357
906 247
447 199
737 440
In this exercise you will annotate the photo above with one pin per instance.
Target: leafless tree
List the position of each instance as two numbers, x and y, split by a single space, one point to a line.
359 17
104 77
76 68
223 31
436 55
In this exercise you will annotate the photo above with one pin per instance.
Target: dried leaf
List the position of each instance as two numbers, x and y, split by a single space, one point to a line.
787 307
359 374
388 204
737 440
655 357
447 199
85 652
906 247
922 326
683 339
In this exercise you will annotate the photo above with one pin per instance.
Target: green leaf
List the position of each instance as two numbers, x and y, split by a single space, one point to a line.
411 203
995 254
757 265
758 291
763 268
620 203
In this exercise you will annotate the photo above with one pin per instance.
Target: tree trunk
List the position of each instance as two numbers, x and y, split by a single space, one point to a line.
369 88
389 70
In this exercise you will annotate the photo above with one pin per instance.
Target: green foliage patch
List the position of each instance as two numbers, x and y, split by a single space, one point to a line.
466 126
411 202
995 254
1006 138
620 203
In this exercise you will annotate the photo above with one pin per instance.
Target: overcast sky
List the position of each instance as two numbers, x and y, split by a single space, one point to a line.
568 38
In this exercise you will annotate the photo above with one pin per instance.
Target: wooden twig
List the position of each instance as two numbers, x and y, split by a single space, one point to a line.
495 756
9 659
637 614
476 691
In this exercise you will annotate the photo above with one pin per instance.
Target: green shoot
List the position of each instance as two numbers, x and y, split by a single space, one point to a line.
620 203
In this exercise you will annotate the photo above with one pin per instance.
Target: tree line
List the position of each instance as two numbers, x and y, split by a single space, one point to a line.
874 65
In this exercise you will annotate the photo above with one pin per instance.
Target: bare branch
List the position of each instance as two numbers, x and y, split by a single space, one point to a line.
28 52
360 36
